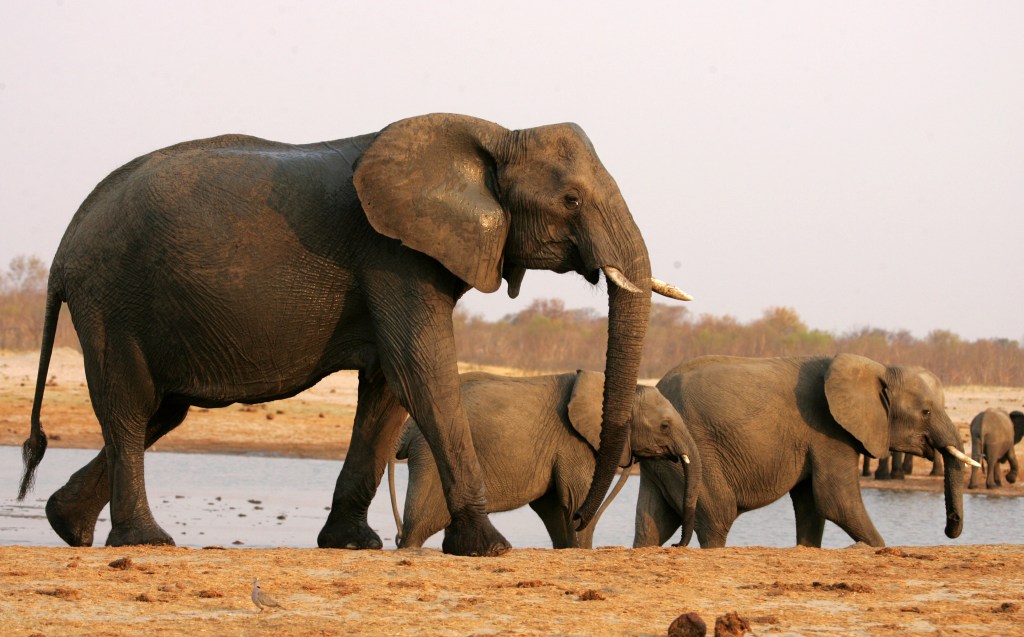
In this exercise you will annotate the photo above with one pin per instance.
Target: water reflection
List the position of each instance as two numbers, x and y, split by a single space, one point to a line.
250 501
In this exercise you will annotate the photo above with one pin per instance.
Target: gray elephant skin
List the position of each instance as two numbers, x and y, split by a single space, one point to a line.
993 436
536 439
770 426
235 269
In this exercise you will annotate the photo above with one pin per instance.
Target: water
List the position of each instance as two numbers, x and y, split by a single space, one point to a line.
206 499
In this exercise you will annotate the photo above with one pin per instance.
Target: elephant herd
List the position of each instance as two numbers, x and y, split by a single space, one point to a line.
752 430
237 269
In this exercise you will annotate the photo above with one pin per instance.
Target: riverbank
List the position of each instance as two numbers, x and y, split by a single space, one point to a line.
963 590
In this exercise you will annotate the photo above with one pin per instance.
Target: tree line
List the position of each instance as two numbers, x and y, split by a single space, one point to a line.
546 336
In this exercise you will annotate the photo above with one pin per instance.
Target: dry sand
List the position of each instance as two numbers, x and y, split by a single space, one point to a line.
962 590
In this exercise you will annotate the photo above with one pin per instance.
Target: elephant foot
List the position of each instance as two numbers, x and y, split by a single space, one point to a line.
1011 478
139 534
74 520
473 537
353 536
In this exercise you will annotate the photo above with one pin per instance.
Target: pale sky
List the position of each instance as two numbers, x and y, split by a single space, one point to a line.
860 162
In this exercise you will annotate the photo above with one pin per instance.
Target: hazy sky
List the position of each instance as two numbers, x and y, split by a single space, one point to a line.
860 162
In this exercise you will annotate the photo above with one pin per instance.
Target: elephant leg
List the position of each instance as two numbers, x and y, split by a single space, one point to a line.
378 421
994 478
426 511
902 464
1011 457
74 508
937 466
977 456
838 500
810 525
866 469
883 472
716 512
125 401
557 521
656 519
908 464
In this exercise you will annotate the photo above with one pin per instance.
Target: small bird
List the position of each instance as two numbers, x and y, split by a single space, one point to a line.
261 599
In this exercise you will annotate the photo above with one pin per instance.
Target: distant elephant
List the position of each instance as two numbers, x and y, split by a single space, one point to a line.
537 439
768 426
235 269
993 436
902 466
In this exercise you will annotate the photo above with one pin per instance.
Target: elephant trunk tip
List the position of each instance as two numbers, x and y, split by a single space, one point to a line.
954 526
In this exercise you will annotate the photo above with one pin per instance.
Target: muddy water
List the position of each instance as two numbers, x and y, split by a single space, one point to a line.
204 500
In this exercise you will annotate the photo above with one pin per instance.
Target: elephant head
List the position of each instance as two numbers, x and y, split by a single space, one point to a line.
487 202
891 408
656 430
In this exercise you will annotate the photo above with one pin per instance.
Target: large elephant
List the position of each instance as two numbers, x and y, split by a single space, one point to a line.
236 269
993 436
768 426
536 439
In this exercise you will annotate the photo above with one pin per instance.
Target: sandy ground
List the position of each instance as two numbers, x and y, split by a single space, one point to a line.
962 590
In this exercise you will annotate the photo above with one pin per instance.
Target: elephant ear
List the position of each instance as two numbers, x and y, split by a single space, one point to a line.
426 181
1017 417
585 411
857 398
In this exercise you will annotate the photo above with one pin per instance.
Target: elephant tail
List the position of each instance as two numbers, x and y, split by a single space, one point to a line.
401 452
35 446
394 501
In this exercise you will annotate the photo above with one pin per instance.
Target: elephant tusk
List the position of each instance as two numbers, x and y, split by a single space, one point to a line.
959 455
616 275
669 290
686 458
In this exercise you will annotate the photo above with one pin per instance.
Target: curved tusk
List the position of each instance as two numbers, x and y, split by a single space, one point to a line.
686 458
616 275
669 290
959 455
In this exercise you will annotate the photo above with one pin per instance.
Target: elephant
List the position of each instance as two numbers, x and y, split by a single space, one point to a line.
768 426
236 269
536 440
902 466
993 436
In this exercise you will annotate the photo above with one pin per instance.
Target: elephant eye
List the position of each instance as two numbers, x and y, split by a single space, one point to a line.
571 201
665 426
926 413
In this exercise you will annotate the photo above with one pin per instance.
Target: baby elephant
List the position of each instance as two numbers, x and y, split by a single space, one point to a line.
993 435
536 438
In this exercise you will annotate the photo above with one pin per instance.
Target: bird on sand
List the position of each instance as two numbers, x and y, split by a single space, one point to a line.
261 599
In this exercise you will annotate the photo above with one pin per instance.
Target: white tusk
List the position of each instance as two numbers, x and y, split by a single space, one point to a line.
616 275
686 458
959 455
669 290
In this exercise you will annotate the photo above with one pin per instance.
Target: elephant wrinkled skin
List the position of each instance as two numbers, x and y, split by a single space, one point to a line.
768 426
236 269
536 439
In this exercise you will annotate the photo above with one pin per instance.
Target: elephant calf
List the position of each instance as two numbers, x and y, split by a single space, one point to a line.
993 436
766 427
536 439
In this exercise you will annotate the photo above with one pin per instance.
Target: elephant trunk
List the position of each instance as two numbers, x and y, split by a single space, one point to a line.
628 314
949 445
692 472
